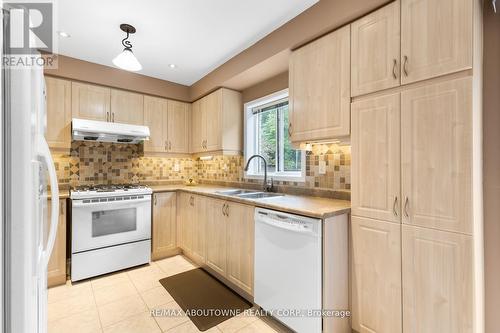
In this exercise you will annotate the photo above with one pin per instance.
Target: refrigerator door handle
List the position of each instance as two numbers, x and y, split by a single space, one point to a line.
54 216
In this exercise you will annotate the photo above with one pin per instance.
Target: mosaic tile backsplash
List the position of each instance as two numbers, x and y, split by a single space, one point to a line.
104 163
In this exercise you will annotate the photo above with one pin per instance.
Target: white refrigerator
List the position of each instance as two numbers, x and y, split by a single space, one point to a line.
27 168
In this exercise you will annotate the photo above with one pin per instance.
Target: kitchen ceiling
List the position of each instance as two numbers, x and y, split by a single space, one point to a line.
195 35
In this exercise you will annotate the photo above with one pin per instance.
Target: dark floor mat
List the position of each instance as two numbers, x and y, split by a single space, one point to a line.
196 290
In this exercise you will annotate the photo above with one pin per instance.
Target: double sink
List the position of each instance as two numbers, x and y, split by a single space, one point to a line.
249 194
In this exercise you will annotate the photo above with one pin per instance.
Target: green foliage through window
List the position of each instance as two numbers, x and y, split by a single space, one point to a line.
272 139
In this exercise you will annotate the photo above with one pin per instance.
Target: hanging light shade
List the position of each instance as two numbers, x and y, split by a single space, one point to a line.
127 60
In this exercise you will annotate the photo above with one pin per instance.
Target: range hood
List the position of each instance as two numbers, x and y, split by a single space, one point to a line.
102 131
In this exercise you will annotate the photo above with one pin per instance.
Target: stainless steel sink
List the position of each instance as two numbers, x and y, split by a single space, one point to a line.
259 195
236 192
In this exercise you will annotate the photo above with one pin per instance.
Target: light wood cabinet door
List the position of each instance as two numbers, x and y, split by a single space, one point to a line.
56 270
58 92
185 222
320 88
90 101
376 276
198 229
127 107
164 225
212 119
178 127
436 38
375 43
436 131
217 236
197 128
437 281
155 116
240 252
375 154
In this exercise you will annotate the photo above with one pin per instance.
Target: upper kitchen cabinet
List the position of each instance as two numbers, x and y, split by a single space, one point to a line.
168 122
376 162
436 38
58 133
178 127
217 122
436 153
126 107
375 50
197 137
90 101
156 118
320 87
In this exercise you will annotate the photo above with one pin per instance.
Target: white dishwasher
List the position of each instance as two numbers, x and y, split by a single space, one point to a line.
288 268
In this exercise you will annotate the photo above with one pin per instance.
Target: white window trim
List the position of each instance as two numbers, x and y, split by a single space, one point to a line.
282 176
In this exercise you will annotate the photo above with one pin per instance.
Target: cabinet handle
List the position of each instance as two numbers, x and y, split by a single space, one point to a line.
223 212
61 204
155 199
394 206
394 67
107 116
405 66
166 145
407 203
205 144
290 130
227 210
169 145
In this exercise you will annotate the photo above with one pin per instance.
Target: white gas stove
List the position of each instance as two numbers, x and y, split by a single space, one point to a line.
110 228
99 191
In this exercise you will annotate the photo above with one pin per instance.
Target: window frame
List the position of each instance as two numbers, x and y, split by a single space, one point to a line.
249 138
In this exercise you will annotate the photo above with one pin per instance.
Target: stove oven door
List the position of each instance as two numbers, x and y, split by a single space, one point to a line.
103 222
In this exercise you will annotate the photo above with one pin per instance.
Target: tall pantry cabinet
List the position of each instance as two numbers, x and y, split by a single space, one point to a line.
412 168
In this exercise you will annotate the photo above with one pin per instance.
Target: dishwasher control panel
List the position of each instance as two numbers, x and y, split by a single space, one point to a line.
287 221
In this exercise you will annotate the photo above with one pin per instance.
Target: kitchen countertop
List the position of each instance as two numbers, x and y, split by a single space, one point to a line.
303 205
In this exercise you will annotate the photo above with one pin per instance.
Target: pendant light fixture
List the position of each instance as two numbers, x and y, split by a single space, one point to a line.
127 60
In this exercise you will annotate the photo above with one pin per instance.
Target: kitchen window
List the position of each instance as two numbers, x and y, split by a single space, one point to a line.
266 134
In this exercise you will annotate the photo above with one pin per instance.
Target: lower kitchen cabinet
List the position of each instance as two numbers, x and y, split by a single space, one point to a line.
192 225
217 236
376 276
164 225
198 229
437 281
184 219
240 245
56 271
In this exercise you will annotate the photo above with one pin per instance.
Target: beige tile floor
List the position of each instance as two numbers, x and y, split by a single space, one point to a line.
122 302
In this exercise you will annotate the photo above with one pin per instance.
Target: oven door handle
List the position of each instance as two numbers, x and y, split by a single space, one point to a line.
110 204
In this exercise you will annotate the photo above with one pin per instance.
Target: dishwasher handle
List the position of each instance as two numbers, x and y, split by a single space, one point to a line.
295 226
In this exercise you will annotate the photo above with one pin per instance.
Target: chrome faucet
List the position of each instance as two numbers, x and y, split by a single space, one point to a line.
266 186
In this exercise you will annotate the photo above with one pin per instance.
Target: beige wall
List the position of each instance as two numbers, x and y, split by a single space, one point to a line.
267 87
491 170
76 69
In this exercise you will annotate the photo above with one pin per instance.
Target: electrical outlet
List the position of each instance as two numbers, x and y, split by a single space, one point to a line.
177 167
322 167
